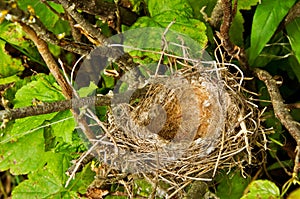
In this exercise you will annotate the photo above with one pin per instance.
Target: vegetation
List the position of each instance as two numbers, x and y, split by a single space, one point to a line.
41 41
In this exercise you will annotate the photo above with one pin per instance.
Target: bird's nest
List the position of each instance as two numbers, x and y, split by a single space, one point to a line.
183 126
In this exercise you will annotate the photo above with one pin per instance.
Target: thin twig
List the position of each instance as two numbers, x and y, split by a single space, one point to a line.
84 24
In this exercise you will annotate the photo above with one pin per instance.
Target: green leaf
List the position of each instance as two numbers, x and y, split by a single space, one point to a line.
44 89
157 7
192 28
9 79
86 91
237 27
198 5
49 181
295 194
63 125
267 17
262 189
232 185
293 30
8 66
47 17
295 66
13 34
24 155
46 182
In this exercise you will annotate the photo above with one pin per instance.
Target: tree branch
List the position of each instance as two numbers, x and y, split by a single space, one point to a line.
84 24
281 110
232 49
18 15
54 69
51 107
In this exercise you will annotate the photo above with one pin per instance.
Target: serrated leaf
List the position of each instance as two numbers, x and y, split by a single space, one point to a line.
49 182
156 7
192 28
293 30
232 185
8 66
63 125
24 155
44 89
267 17
262 189
48 18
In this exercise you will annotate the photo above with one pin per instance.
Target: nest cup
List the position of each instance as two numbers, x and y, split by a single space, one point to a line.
181 118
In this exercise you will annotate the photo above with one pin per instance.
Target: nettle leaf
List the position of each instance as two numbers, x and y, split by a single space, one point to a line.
44 89
293 30
192 28
267 17
262 189
237 27
24 155
157 7
47 17
8 66
65 128
231 185
49 182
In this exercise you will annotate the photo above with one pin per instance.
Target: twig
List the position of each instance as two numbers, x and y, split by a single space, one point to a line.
51 107
293 13
15 14
48 58
232 50
54 69
293 106
84 24
79 163
281 110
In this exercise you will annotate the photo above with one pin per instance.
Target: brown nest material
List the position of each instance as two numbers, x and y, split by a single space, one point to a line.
184 127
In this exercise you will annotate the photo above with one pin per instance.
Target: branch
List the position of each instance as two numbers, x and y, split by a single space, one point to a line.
106 10
281 110
84 24
292 14
51 107
232 49
18 15
54 69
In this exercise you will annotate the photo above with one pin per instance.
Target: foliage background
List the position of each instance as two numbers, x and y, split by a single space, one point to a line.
36 151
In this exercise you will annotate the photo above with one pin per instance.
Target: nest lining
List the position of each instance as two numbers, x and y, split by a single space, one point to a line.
155 133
